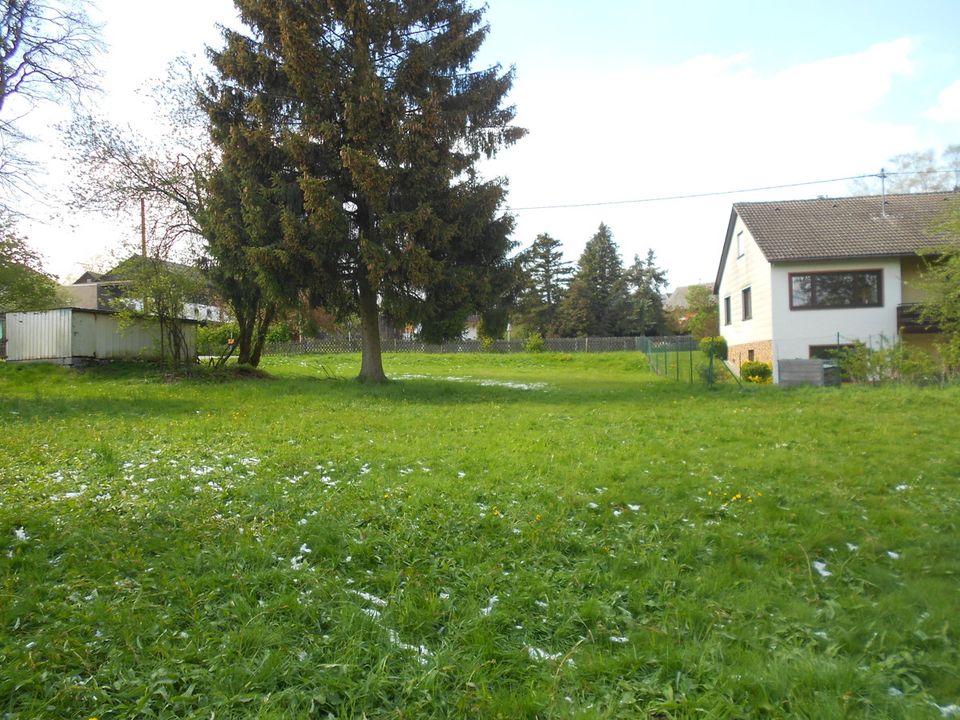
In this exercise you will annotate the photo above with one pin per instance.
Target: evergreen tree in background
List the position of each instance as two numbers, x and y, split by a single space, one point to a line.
597 300
644 308
352 130
546 277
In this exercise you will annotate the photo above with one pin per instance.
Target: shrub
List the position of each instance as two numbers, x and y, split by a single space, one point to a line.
534 343
486 343
754 371
714 347
212 339
893 363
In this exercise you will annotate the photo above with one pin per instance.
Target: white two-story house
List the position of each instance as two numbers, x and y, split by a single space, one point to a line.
800 277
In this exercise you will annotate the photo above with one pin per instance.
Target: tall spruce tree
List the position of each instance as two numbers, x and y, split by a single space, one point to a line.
597 301
372 120
546 277
644 312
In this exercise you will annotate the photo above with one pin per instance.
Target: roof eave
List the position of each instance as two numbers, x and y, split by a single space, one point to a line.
726 249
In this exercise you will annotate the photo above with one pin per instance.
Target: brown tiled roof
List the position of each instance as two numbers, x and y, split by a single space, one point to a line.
853 227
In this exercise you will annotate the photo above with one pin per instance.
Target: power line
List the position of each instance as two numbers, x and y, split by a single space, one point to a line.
717 193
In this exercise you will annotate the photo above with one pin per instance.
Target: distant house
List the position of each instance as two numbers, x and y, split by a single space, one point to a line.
677 304
107 291
798 278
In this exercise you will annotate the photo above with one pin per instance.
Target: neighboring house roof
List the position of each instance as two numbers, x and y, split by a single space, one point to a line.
677 300
88 277
838 228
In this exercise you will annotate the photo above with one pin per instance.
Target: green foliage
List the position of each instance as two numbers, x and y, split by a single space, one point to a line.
892 362
604 299
644 308
349 135
715 347
701 317
545 278
757 372
212 337
534 343
486 342
23 283
597 298
162 290
166 552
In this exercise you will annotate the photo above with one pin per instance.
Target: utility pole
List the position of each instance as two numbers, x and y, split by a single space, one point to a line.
143 227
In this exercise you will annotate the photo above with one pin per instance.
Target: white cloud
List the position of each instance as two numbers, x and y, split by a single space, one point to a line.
709 123
947 109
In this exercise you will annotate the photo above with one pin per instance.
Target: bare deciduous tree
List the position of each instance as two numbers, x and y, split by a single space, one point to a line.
47 50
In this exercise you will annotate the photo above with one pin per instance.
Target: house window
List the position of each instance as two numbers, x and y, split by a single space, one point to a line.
740 244
747 303
726 310
838 289
750 355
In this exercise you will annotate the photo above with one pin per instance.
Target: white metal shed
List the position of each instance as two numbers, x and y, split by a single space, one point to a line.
73 335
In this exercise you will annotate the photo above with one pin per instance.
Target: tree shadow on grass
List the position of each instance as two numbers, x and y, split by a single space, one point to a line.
431 390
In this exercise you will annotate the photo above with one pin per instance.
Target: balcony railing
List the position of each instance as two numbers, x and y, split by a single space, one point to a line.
909 321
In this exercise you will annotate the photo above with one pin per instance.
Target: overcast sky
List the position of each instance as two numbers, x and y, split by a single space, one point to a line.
625 100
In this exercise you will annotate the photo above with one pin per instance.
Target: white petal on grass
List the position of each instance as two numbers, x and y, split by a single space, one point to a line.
619 639
901 487
894 692
490 603
375 614
821 568
21 534
542 655
893 555
592 505
422 651
949 711
305 549
634 508
852 548
380 602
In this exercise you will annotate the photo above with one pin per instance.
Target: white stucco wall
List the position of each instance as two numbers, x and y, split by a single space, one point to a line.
748 270
794 331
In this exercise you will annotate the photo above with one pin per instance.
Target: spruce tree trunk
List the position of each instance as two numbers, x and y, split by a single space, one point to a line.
245 338
261 338
371 364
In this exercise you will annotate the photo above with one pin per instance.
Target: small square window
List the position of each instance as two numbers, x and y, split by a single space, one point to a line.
750 355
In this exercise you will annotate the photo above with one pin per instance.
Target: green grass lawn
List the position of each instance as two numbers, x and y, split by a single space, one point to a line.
486 536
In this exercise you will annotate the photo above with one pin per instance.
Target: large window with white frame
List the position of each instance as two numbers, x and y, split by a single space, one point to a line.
836 289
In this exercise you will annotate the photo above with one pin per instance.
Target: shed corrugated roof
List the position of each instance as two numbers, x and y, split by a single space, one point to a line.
852 227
